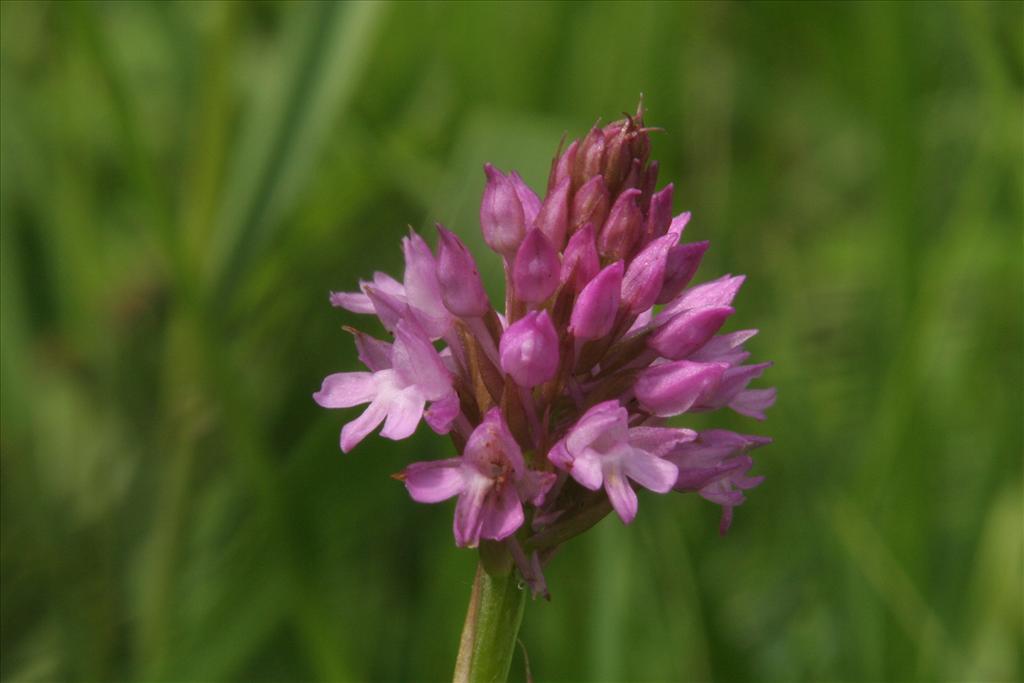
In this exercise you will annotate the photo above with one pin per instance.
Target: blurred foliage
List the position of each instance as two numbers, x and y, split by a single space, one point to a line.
182 183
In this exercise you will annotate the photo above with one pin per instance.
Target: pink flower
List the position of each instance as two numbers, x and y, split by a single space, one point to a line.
601 450
490 478
715 466
557 400
419 297
405 377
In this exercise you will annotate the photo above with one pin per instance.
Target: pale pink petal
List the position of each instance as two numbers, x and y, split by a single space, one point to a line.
678 224
718 292
753 402
356 302
605 421
441 414
417 362
356 430
374 353
723 347
502 513
422 288
651 472
389 308
620 494
434 481
469 508
346 389
405 410
389 285
491 443
559 456
659 440
586 469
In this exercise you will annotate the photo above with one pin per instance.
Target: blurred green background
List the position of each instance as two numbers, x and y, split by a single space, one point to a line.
183 183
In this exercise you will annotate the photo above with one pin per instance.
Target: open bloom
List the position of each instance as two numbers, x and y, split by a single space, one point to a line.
601 450
490 479
406 375
559 402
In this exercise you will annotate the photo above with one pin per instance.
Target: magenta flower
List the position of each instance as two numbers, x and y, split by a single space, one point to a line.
406 375
490 478
559 403
602 451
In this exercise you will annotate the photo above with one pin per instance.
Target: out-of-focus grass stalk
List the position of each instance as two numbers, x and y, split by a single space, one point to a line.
869 553
325 49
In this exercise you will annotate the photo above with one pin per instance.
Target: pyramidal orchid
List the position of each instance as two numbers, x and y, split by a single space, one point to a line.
558 406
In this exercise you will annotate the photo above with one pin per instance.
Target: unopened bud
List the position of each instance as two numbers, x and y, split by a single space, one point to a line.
673 388
529 350
580 261
561 168
643 280
461 287
528 199
598 304
622 229
589 157
680 267
536 269
590 204
689 331
553 218
501 213
617 159
659 215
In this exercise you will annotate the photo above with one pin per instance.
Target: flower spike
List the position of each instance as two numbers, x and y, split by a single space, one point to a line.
556 402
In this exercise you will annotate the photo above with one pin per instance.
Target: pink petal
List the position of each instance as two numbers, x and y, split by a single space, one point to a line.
621 495
374 353
606 421
388 307
721 347
734 380
673 388
468 510
491 442
356 302
346 389
405 409
753 402
417 362
718 292
586 469
651 472
659 440
389 285
442 413
678 224
434 481
422 288
502 513
356 430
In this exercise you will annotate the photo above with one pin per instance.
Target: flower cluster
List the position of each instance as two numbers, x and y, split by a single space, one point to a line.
558 405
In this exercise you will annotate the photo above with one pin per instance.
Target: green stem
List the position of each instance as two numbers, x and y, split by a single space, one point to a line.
492 623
